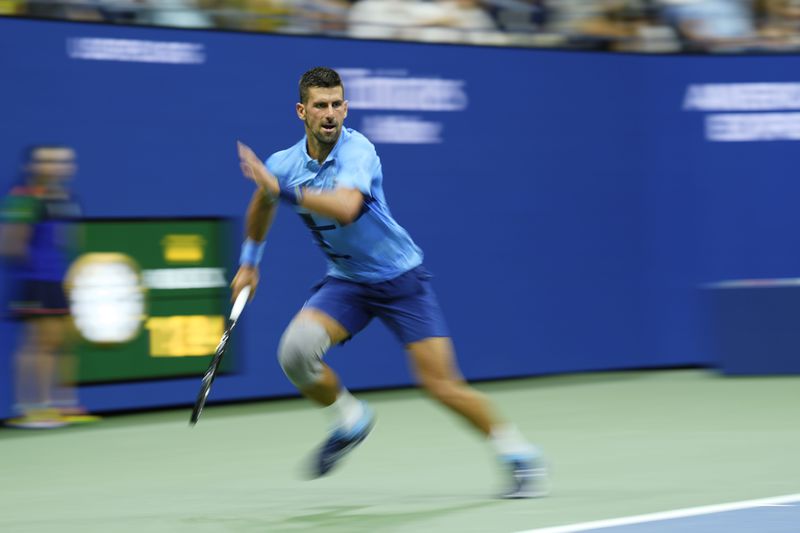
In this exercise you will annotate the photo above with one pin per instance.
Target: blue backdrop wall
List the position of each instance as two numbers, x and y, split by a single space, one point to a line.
569 204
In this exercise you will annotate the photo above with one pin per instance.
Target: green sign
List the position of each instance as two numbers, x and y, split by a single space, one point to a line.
149 297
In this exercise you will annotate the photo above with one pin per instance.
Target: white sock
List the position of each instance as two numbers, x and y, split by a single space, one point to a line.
508 441
346 411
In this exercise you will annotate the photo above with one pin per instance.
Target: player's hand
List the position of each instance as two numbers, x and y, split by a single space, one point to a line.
254 169
247 275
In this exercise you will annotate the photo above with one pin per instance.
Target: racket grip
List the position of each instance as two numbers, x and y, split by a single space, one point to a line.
238 305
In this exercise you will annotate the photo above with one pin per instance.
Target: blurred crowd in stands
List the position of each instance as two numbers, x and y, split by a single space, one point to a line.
655 26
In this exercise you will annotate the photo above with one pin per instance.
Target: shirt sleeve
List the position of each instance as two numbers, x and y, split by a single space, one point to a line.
358 168
272 165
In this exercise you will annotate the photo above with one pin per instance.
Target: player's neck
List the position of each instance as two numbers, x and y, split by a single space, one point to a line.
318 150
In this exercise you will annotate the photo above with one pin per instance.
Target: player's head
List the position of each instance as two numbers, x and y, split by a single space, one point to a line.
322 106
49 164
319 77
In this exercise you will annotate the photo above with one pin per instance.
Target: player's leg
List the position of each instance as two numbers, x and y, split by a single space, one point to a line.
50 342
331 316
303 345
416 318
36 372
413 314
434 364
65 394
32 388
50 333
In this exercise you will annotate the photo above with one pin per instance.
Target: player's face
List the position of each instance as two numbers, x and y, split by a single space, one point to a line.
323 113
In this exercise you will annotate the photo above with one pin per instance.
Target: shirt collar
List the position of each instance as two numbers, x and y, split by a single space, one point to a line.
313 164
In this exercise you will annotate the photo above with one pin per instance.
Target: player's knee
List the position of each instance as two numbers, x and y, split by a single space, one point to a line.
300 352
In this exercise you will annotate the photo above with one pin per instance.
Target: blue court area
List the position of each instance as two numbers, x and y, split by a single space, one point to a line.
778 515
762 519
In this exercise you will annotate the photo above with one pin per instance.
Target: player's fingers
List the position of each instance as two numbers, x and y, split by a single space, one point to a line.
241 280
250 280
245 152
236 286
235 292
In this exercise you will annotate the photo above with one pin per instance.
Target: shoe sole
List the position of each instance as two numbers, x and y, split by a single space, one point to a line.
315 473
539 480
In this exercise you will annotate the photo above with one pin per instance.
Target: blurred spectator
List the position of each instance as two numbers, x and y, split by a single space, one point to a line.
175 13
780 23
380 19
653 26
519 16
12 7
525 22
442 21
712 25
618 25
328 17
251 15
452 21
37 232
63 9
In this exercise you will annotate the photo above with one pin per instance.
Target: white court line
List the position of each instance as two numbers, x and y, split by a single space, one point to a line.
668 515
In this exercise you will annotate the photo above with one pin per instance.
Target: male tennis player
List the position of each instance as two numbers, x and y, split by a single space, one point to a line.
332 177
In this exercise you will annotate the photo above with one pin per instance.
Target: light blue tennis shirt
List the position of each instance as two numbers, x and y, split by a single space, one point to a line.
372 248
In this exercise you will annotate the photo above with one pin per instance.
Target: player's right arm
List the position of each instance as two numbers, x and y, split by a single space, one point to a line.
260 214
343 204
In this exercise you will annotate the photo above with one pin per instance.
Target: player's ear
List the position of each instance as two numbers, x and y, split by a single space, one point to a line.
301 110
345 108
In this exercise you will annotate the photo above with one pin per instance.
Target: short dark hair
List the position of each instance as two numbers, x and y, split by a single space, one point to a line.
319 77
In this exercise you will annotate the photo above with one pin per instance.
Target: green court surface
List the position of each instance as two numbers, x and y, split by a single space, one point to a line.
620 444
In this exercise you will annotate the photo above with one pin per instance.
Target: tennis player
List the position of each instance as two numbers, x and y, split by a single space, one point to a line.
333 179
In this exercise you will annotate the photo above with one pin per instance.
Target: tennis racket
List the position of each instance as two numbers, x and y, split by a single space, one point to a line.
211 373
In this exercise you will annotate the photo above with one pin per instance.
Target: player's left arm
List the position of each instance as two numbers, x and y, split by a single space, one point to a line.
342 204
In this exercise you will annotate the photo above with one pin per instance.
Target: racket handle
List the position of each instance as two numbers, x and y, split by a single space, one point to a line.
238 305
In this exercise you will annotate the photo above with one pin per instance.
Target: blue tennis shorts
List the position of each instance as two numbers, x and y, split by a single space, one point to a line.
406 304
38 298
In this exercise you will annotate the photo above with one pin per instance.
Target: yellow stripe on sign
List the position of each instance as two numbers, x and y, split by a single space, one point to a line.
183 248
184 336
